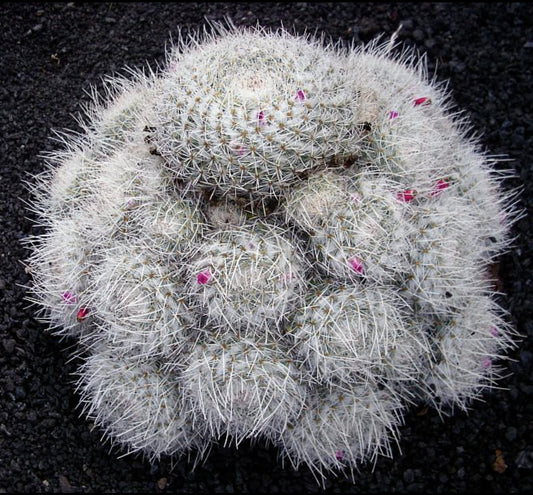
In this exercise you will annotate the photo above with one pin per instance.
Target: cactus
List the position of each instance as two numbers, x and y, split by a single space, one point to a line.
247 279
138 403
356 223
349 334
273 238
246 119
342 428
242 388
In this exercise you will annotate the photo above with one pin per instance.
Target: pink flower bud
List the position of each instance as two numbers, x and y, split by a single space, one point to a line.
393 114
486 363
494 331
69 297
300 95
406 196
424 100
82 314
203 277
339 455
261 117
356 265
439 187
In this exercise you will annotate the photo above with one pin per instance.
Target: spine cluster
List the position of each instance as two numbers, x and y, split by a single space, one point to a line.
273 238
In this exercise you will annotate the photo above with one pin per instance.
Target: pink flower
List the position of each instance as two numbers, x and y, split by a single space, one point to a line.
424 100
300 95
356 265
393 114
261 117
339 455
440 186
406 196
69 297
203 277
486 363
82 314
494 331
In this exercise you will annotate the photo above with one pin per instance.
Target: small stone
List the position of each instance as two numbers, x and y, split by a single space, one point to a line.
407 24
526 389
162 483
409 476
9 345
526 361
418 35
20 393
524 459
511 433
64 485
429 43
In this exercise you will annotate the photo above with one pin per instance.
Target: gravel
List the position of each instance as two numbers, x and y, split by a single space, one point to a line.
51 55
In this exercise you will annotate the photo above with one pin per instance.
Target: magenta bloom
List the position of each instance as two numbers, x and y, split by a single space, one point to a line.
487 363
261 116
494 331
440 186
300 95
339 455
356 265
82 313
393 114
424 100
203 277
69 297
406 196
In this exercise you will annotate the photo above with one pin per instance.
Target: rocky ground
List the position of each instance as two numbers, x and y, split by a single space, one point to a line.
52 53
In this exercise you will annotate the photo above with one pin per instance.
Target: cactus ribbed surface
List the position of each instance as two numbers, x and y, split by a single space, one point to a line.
273 238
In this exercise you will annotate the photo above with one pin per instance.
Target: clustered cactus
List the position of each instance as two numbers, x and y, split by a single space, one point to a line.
273 238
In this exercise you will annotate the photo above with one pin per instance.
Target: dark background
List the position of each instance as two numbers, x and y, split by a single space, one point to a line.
51 54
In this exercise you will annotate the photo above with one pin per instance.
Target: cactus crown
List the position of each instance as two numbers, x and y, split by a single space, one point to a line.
273 238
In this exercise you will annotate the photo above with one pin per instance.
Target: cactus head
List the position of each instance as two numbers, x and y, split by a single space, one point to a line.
247 279
248 112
